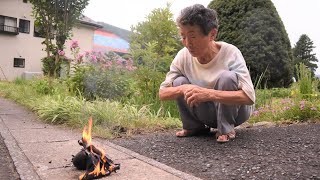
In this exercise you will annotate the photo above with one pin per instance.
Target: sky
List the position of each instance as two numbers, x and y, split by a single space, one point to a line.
298 16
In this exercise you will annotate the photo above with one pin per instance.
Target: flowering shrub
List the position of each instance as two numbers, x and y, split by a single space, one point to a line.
98 74
302 102
287 109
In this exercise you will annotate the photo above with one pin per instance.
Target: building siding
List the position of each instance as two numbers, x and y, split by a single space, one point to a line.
29 47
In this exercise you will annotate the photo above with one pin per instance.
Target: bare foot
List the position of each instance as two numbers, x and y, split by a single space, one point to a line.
222 138
182 133
194 132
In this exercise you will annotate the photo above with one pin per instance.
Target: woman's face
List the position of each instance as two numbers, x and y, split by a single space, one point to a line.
194 40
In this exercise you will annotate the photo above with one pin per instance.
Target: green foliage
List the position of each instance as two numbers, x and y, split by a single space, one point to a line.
257 30
265 96
302 53
76 81
158 29
154 43
49 67
307 85
107 84
44 14
19 81
105 76
147 93
288 110
42 86
281 92
302 111
57 16
301 104
110 118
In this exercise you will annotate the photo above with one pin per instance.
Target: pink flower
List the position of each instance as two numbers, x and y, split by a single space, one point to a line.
286 108
108 65
302 104
61 53
119 62
93 58
74 44
87 53
256 113
131 68
79 58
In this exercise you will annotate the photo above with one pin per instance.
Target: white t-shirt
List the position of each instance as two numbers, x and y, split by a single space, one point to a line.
229 58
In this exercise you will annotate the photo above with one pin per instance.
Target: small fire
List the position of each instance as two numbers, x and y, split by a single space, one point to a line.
86 134
96 162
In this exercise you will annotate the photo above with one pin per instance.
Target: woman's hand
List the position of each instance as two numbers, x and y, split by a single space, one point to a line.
194 95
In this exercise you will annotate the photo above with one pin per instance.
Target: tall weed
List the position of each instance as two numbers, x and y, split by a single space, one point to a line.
307 85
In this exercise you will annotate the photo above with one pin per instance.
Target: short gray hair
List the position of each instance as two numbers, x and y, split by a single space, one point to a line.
205 18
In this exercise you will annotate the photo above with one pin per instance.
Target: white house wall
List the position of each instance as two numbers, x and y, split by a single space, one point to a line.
26 45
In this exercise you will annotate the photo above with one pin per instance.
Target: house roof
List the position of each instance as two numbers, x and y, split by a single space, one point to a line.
123 33
87 21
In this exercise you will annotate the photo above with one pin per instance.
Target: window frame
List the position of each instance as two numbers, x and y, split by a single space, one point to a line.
7 28
37 32
22 29
17 62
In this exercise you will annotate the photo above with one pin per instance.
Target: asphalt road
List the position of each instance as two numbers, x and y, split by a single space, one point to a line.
291 152
7 168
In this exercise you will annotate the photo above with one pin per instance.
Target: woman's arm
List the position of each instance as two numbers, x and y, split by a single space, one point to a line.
198 95
170 93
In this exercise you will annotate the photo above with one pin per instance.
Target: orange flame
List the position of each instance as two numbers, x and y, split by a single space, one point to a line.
86 138
86 134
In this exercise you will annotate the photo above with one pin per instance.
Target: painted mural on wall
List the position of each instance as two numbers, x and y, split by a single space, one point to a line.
107 41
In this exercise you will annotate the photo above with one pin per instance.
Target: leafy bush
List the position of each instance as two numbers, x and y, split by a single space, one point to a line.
307 85
301 111
76 81
43 86
287 110
264 97
48 66
108 84
19 81
280 92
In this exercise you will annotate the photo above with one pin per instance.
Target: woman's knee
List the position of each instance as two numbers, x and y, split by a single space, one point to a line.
180 81
228 80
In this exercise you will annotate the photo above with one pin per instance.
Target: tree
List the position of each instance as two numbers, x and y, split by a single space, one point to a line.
44 18
57 16
302 53
160 30
153 45
257 30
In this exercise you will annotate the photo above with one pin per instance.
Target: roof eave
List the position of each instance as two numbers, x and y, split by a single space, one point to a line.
91 24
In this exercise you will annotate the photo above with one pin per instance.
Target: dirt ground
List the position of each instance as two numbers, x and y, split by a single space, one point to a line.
7 168
290 152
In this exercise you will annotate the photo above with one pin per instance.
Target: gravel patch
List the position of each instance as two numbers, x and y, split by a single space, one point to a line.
290 152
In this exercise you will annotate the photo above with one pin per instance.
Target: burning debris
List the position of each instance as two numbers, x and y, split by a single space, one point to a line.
92 159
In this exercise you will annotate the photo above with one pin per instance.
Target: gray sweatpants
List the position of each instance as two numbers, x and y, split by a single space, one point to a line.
213 114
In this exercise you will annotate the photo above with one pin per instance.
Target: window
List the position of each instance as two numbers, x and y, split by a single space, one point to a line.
8 25
24 26
38 32
25 1
18 62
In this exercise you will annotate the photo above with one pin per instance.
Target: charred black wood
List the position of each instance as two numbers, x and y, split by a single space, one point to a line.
89 158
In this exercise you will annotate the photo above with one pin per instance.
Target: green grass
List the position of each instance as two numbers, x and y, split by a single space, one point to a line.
110 118
53 103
